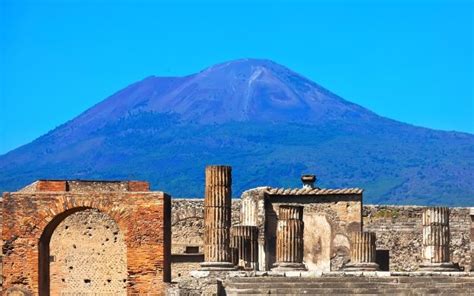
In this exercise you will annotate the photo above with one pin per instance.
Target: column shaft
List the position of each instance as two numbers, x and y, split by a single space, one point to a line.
363 252
245 239
217 218
363 247
289 244
436 237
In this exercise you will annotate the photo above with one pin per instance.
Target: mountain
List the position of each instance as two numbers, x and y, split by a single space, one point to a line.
268 122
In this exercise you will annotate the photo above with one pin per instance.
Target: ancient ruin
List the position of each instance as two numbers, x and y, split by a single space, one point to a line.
322 241
363 252
217 211
79 237
436 237
244 242
330 214
289 242
66 237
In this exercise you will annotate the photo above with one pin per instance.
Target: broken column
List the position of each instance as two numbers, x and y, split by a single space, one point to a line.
245 239
436 237
234 255
363 252
217 218
289 245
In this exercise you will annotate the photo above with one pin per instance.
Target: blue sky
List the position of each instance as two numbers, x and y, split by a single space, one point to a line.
408 60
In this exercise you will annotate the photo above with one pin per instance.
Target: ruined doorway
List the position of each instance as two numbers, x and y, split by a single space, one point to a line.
382 258
83 252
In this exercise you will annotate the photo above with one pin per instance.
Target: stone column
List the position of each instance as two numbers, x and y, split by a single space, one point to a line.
362 252
289 245
436 237
217 218
245 239
234 255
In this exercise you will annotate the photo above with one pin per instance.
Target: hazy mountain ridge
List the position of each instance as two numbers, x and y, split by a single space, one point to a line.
267 121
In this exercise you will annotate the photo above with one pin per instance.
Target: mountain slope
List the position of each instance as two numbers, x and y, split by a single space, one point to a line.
270 123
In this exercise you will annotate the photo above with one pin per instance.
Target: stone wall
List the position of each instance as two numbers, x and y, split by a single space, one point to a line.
399 231
187 223
187 227
328 222
32 216
88 253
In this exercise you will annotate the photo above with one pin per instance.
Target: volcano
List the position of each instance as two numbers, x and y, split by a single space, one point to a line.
270 123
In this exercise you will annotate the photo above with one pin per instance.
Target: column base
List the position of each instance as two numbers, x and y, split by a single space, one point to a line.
288 266
361 266
443 266
217 266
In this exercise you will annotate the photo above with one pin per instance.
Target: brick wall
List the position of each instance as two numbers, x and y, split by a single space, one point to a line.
51 185
142 217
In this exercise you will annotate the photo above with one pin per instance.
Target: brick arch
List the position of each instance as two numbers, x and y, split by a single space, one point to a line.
66 204
45 243
142 217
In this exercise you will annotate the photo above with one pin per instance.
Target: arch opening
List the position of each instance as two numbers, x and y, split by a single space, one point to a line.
82 251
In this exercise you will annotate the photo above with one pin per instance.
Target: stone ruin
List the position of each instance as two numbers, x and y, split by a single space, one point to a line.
64 237
84 237
312 240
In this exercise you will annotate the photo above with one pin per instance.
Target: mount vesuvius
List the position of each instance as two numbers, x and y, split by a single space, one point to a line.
268 122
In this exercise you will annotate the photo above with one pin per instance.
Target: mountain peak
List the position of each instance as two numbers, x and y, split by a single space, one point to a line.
243 90
247 62
249 69
238 90
270 123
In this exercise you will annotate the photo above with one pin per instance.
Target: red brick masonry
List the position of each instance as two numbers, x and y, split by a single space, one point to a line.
143 218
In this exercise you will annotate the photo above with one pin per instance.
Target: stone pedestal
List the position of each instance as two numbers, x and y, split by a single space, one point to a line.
245 239
289 246
363 252
217 219
436 237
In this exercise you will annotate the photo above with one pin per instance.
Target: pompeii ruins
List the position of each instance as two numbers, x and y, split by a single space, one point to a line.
71 237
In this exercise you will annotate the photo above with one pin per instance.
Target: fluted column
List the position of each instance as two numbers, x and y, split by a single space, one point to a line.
234 255
436 237
245 239
289 245
363 252
217 218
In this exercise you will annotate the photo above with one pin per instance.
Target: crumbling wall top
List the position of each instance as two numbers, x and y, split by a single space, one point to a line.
85 186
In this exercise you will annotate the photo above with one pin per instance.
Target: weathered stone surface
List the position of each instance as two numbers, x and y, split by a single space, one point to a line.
398 229
31 218
330 216
188 232
88 253
399 232
363 252
86 186
436 237
217 218
201 283
290 245
244 239
349 284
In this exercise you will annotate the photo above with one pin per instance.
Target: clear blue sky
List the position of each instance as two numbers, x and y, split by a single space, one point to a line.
407 60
